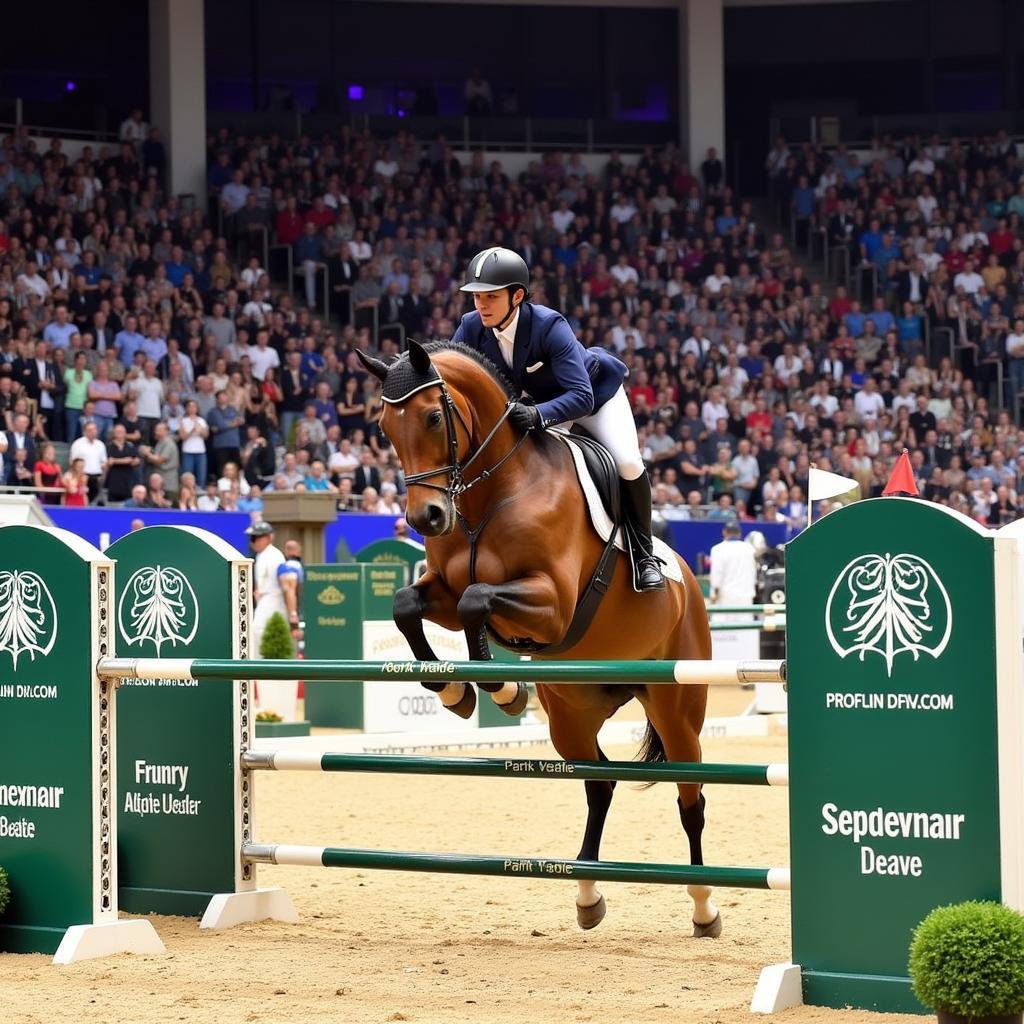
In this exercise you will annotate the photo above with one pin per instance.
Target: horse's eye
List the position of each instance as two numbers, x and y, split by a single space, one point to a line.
434 419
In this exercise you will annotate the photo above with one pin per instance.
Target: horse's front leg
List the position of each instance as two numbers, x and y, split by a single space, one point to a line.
430 598
529 605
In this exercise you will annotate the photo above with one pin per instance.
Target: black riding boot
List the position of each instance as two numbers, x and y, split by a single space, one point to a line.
637 508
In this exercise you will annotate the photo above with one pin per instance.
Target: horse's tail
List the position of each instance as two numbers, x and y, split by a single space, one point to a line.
652 750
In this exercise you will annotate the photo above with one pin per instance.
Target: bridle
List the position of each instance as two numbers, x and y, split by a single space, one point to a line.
456 469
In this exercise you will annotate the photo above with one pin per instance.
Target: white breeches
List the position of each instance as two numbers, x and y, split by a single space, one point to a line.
613 426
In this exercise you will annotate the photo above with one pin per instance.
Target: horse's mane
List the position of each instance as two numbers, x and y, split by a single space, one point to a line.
479 358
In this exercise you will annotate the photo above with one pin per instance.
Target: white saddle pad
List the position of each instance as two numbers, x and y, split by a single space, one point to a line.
601 521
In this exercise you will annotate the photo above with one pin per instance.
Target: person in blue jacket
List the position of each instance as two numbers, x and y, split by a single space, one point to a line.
567 383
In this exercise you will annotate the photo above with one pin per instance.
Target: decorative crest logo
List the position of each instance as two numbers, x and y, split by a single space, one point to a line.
158 604
28 616
331 595
889 604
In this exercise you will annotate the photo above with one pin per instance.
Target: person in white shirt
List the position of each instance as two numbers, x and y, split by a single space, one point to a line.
1015 360
969 279
718 280
869 401
623 272
133 128
922 164
147 391
623 209
733 569
93 453
976 236
826 404
257 309
262 356
786 365
926 202
268 593
714 408
563 217
31 283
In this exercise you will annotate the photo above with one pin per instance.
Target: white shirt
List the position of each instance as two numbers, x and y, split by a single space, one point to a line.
268 585
733 572
507 338
263 359
193 443
133 131
93 452
972 283
562 219
869 403
1015 346
148 393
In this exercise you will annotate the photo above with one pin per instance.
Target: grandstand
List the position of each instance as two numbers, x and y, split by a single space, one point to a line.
855 298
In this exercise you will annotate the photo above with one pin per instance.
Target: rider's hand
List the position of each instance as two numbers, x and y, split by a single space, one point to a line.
525 417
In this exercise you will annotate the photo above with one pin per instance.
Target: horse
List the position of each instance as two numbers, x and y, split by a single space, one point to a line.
510 549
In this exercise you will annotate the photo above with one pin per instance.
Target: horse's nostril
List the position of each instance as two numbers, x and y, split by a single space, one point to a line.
435 515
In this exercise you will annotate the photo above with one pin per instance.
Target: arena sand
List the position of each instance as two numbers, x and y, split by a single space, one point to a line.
434 949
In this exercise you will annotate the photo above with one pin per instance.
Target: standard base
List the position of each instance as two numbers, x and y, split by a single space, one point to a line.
88 941
778 989
227 909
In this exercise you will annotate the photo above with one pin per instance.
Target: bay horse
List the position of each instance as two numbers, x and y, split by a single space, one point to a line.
510 548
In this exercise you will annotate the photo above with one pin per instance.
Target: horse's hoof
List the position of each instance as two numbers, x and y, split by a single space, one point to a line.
592 916
466 706
517 705
711 930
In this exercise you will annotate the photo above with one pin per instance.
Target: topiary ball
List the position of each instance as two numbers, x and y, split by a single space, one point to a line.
968 959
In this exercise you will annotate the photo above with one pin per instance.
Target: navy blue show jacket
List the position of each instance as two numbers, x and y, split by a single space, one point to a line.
566 380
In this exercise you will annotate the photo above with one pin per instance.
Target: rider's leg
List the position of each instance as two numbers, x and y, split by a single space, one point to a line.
613 426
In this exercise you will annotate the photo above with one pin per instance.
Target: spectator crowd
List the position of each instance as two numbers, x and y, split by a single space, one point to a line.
149 356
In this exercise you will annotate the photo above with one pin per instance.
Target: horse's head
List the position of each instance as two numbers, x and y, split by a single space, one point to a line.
428 430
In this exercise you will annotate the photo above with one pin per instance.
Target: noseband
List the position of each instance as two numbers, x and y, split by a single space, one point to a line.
456 469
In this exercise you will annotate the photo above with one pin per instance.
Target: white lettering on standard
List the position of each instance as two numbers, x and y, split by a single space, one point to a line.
144 804
17 828
892 824
30 796
872 863
161 775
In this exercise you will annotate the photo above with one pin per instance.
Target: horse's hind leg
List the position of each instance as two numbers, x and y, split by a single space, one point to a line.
574 735
429 598
676 714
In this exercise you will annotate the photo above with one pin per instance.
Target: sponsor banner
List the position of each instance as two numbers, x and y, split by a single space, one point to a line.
52 590
893 757
407 706
175 599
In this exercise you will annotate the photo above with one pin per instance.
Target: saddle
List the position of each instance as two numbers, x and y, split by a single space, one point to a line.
602 494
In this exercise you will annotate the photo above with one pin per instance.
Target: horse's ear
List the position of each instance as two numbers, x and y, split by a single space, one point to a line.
419 357
376 366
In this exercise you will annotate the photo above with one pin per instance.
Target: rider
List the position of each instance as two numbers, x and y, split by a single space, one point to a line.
537 349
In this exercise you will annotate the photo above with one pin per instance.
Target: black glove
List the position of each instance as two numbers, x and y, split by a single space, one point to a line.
525 417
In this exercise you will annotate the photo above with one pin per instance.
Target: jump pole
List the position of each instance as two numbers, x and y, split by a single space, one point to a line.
518 867
518 768
686 673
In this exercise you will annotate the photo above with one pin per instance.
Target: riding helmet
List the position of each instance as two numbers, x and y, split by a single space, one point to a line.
495 269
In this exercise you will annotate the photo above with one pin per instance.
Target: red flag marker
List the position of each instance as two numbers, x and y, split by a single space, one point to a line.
902 480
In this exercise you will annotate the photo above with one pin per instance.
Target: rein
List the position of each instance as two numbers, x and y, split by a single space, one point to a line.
455 470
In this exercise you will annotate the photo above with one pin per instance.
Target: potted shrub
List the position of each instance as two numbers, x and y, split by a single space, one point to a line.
278 699
967 963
